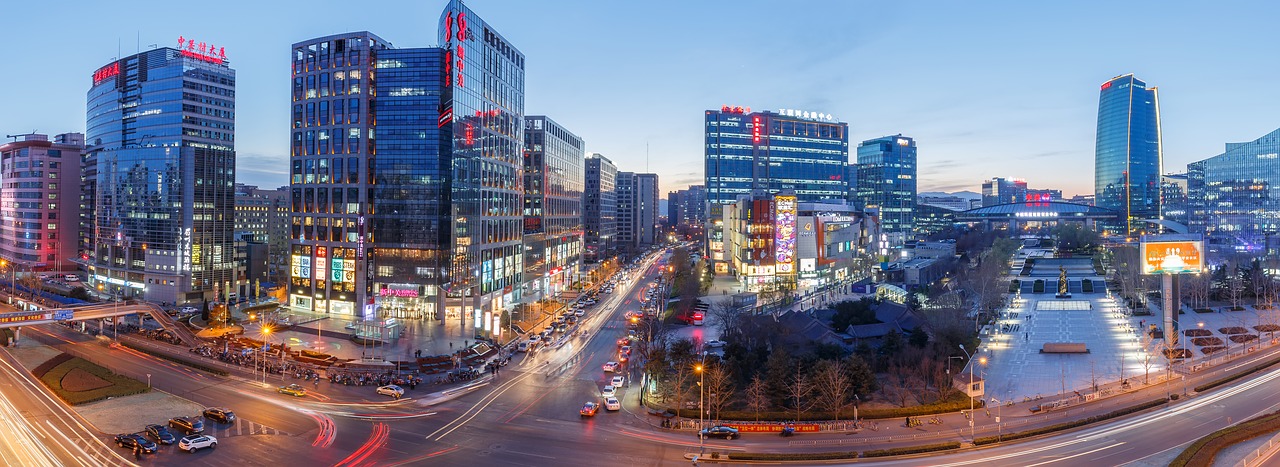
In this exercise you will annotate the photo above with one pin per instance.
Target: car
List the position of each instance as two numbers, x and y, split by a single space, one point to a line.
623 341
607 392
610 367
626 349
611 404
187 425
132 440
719 431
160 433
579 313
617 381
391 390
195 443
572 320
562 327
219 414
293 390
589 409
188 310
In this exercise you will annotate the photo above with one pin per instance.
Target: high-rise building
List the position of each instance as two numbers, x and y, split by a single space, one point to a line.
553 187
1174 204
1234 197
887 181
628 238
599 208
694 209
637 195
1003 191
768 152
1128 155
161 156
39 202
424 214
265 215
675 207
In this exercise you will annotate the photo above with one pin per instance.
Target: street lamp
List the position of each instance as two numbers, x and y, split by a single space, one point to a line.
983 360
702 439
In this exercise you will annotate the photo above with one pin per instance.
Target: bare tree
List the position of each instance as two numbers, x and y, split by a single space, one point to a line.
941 378
833 386
896 385
726 315
798 389
1147 358
718 387
757 395
1235 285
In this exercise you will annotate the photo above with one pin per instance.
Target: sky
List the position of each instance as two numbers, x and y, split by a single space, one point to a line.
987 89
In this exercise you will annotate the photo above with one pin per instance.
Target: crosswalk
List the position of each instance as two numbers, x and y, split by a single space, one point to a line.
242 427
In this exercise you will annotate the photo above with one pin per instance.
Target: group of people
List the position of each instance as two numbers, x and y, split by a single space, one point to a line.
270 365
367 378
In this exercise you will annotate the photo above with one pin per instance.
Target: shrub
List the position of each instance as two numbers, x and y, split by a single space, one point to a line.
1229 330
912 449
957 402
1197 333
117 386
1212 349
1228 379
798 456
179 360
1068 425
1267 327
1203 310
1203 341
1205 449
1242 338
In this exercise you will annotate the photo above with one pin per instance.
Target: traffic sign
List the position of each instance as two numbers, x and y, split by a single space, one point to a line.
63 315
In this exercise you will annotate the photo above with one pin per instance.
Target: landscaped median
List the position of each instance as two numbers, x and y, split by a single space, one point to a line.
1072 424
1202 452
78 381
193 364
825 456
1221 381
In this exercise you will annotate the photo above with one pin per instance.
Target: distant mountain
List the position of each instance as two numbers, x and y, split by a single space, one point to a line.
959 194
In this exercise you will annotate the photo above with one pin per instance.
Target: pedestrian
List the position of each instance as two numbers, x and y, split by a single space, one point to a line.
450 346
137 453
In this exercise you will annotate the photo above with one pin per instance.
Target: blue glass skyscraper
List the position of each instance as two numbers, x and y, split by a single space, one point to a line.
887 181
1128 154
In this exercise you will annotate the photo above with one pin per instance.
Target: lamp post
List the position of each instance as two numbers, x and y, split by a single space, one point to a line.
266 333
702 439
970 388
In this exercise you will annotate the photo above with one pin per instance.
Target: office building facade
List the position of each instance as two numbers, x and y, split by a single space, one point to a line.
1003 190
553 192
265 215
161 153
887 181
806 153
40 202
599 208
1234 197
1127 161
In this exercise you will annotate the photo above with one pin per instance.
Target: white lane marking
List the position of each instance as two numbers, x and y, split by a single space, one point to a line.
1076 455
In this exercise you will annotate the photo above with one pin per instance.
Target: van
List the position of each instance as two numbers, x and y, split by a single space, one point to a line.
71 278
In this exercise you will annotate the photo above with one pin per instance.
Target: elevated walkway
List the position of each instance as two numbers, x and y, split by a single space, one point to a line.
99 311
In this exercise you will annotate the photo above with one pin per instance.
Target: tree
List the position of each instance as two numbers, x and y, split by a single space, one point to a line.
851 313
1075 238
1148 358
833 386
727 317
718 387
798 389
757 396
896 385
892 343
942 382
862 381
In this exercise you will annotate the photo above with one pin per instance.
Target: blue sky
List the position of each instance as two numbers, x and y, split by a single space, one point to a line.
986 88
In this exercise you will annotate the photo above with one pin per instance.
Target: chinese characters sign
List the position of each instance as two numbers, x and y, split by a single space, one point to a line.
202 51
784 240
1172 257
105 73
455 27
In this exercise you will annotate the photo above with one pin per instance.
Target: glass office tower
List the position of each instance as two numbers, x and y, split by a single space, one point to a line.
1238 196
887 181
1127 160
804 152
553 186
600 208
161 154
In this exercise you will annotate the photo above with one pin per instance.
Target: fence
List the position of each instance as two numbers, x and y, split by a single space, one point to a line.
1261 455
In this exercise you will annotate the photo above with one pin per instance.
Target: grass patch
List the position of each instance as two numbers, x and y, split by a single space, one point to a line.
178 360
912 449
1205 449
80 370
1068 425
1221 381
798 456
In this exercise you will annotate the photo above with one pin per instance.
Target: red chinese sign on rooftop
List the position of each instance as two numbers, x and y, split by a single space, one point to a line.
105 73
202 51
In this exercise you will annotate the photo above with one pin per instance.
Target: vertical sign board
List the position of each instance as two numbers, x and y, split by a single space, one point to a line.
784 240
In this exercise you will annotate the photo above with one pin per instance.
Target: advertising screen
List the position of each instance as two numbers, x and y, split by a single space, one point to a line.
785 234
1172 257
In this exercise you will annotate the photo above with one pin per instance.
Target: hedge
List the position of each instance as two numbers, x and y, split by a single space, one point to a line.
1068 425
798 456
174 359
1221 381
119 385
912 449
956 403
1205 449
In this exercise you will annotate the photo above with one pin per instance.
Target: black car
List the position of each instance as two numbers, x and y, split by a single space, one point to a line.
220 414
719 432
187 425
161 434
132 440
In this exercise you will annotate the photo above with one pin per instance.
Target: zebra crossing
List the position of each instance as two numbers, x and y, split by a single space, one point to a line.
242 427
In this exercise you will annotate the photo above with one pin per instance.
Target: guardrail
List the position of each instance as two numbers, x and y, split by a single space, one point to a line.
1262 454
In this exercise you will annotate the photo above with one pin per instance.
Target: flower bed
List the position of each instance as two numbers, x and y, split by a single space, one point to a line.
1203 341
1229 330
1212 349
1242 338
1197 333
1267 327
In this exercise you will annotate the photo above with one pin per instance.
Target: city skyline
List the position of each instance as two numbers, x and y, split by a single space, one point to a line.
831 63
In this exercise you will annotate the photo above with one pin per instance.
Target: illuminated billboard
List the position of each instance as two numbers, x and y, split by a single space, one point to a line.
784 240
1172 256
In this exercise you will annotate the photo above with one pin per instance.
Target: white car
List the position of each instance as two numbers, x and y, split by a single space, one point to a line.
579 313
391 390
607 392
195 443
610 367
611 404
616 382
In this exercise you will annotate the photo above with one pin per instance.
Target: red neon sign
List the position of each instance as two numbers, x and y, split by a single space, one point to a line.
458 52
1106 85
105 73
755 129
735 109
470 134
202 51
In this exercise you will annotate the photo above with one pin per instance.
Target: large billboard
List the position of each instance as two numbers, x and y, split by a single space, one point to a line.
784 240
1172 256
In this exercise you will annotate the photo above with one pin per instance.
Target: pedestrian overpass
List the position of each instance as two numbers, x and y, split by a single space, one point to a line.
98 311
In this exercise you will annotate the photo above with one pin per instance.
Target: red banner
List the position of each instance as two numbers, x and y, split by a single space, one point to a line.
774 428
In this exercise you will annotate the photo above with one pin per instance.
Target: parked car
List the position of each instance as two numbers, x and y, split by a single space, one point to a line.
132 440
197 442
391 390
161 434
293 390
220 414
719 432
607 392
187 425
610 367
616 382
611 404
589 409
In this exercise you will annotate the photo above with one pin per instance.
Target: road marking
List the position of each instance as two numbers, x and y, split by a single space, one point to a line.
1076 455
